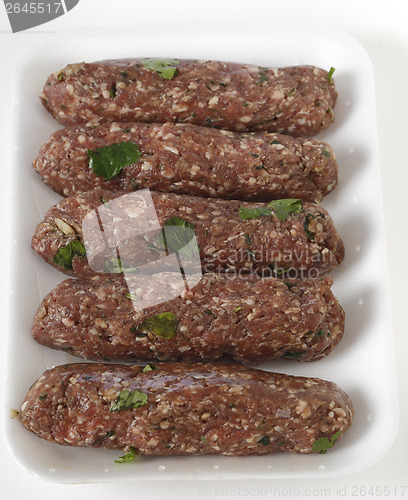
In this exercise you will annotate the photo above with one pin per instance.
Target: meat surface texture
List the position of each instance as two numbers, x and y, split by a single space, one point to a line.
185 409
304 245
193 160
296 100
248 319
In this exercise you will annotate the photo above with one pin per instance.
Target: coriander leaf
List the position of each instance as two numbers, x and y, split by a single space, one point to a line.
127 400
163 325
265 440
65 254
330 74
109 161
246 213
176 236
322 444
166 68
285 207
309 234
131 455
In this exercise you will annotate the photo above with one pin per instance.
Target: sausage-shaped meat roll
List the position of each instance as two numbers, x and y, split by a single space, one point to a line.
288 236
247 319
187 159
186 409
296 100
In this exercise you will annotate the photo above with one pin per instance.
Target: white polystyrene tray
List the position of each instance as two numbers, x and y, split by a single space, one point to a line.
362 364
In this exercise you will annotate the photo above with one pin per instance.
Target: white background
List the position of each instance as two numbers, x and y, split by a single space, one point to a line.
382 28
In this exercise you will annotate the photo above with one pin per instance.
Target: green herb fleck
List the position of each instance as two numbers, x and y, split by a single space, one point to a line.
127 400
60 76
248 239
166 68
112 91
259 167
148 368
254 155
43 396
131 296
178 238
131 455
253 213
265 440
105 201
282 209
207 311
203 439
163 325
237 309
322 444
309 234
262 77
285 207
319 333
330 74
275 142
279 270
65 254
326 153
293 354
291 93
109 161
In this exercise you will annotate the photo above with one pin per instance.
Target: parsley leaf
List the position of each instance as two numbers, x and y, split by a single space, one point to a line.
282 209
128 457
285 207
322 444
163 325
253 213
166 68
109 161
127 400
177 238
65 254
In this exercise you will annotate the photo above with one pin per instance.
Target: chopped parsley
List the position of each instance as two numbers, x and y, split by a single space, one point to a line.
237 309
60 76
262 77
293 354
65 254
282 209
330 75
108 161
128 457
112 91
326 153
127 400
265 440
248 239
163 325
131 296
166 68
322 444
148 368
309 234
